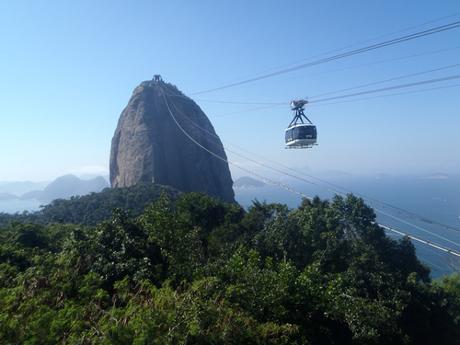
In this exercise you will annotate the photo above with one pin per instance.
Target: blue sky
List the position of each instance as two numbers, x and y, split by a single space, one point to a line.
67 69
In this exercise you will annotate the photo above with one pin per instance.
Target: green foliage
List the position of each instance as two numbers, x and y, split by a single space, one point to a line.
193 270
94 208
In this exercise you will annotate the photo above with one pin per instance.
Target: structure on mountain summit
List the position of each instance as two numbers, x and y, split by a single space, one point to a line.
149 146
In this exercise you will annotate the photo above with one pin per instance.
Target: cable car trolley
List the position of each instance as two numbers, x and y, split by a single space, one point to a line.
301 132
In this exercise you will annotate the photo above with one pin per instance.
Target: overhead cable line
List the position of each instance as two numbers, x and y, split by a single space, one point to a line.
389 88
384 89
244 111
383 44
369 200
399 58
265 179
399 219
363 42
337 189
387 80
377 209
388 95
334 188
395 87
429 243
268 105
430 81
176 95
383 61
243 103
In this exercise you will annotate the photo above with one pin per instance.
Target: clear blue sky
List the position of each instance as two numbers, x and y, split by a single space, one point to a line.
67 69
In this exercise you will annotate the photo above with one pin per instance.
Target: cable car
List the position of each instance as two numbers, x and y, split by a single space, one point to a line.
301 132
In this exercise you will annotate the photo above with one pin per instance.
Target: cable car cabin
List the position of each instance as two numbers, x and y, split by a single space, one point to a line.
300 136
301 132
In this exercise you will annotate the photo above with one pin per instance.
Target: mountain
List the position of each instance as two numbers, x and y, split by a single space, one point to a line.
61 188
150 146
34 194
248 182
65 187
69 185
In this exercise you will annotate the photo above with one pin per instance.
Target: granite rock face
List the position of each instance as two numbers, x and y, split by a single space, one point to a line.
149 146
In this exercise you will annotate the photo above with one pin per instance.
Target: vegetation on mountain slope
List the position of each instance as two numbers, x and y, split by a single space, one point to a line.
194 270
94 208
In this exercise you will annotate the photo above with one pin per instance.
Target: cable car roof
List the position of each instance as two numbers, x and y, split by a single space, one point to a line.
300 125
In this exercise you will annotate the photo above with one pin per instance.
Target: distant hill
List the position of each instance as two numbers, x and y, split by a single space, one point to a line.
18 188
63 187
94 208
248 182
7 196
67 186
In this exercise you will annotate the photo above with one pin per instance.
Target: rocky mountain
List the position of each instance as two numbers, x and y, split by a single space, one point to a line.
150 146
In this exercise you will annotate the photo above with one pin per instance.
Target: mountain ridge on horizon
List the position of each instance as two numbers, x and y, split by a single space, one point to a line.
64 186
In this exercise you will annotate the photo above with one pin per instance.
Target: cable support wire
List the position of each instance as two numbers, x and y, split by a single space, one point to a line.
363 42
387 95
263 178
399 219
394 41
269 105
429 243
334 188
242 103
342 102
341 69
227 102
387 80
292 190
402 86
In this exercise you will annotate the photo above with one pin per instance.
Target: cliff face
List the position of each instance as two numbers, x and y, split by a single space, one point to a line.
148 146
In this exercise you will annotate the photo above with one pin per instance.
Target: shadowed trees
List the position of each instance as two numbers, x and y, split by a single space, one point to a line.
199 271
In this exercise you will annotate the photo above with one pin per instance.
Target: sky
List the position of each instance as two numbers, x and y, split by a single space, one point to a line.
68 68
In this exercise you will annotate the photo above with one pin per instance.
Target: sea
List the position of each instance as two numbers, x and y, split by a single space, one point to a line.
436 198
19 205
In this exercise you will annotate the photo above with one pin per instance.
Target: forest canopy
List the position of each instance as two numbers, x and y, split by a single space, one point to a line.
191 269
94 208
